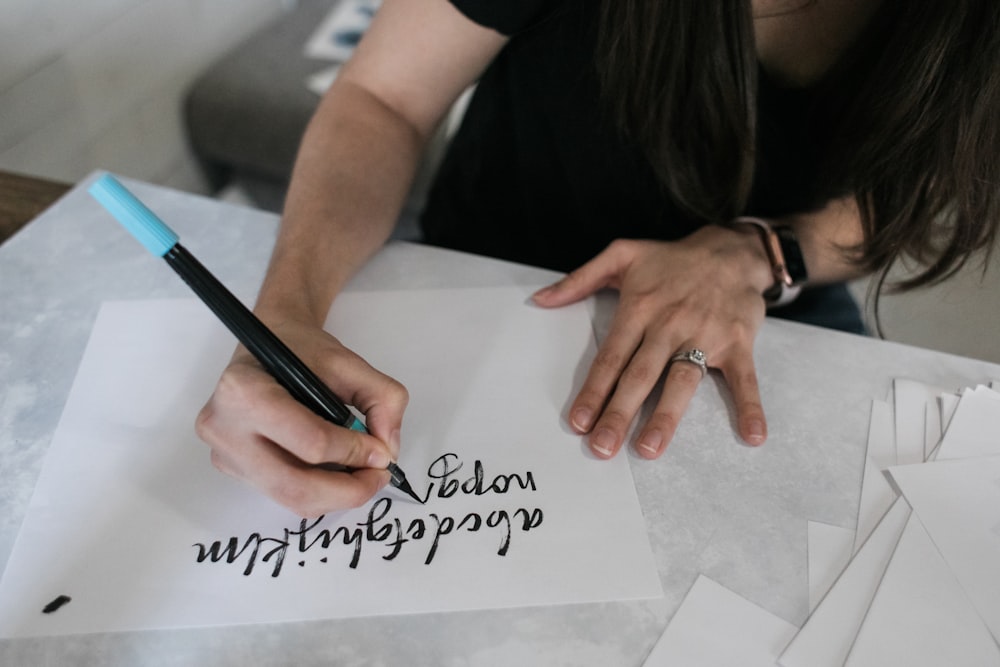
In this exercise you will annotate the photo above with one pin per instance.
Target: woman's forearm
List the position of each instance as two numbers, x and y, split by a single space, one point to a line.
351 177
361 149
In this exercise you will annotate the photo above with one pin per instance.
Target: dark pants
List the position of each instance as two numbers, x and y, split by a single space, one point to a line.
830 306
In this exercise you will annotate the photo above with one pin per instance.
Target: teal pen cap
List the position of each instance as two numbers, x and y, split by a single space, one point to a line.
142 223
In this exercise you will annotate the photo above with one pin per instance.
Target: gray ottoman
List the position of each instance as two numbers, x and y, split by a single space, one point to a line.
246 114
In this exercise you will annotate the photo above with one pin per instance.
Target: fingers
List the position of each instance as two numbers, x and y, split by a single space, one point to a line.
602 271
626 369
281 419
308 491
741 377
680 385
674 297
381 398
614 355
261 435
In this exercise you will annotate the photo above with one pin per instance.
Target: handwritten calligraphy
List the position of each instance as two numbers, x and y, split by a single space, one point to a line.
382 529
444 469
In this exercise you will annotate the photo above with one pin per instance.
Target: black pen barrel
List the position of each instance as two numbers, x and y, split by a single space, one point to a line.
268 349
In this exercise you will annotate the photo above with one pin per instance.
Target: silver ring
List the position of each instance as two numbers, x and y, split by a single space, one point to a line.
693 356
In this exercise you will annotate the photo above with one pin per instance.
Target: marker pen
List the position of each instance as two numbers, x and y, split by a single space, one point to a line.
272 354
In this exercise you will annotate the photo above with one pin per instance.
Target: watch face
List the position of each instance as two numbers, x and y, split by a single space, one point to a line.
794 263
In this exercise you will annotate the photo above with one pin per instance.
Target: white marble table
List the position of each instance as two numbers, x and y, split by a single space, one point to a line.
712 505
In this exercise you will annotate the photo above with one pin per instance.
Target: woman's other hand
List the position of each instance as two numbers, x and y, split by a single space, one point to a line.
702 292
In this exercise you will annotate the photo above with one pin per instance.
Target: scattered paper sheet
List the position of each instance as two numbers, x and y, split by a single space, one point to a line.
829 552
132 523
826 637
958 502
974 428
920 617
949 403
715 627
911 399
877 495
881 436
932 428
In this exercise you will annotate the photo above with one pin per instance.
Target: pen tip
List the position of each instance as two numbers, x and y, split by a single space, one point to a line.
405 488
399 481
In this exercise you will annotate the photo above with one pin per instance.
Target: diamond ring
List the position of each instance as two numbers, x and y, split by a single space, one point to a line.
693 356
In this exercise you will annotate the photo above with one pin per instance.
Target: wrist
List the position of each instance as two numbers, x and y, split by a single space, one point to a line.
755 264
284 298
780 245
302 279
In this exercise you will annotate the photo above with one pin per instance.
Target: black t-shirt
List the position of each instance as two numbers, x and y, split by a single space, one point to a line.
538 174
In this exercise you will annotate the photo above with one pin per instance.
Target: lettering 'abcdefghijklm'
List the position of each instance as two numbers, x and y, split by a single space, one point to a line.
381 528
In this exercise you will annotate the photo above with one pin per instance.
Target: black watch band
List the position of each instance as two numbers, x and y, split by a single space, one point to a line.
785 255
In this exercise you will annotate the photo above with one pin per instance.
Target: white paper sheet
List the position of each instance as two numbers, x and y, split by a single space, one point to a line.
829 550
949 403
877 495
882 435
958 502
974 428
715 627
920 617
826 637
932 428
911 399
127 494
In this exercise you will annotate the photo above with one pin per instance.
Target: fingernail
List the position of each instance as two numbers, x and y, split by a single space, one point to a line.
604 442
378 459
544 292
755 432
581 418
651 442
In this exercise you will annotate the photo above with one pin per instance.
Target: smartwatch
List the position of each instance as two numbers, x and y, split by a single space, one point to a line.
785 255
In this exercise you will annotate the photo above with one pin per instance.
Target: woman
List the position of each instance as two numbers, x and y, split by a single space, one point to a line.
625 141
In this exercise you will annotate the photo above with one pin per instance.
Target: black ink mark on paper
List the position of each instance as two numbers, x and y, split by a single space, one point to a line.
56 604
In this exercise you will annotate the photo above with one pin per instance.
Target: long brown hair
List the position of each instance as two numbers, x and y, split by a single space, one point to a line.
680 79
910 118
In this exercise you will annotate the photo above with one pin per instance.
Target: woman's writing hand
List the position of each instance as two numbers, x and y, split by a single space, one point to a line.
703 292
260 434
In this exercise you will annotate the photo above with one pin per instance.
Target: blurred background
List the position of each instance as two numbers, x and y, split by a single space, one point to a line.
210 97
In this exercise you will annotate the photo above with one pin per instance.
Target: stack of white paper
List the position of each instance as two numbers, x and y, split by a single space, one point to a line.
912 587
923 584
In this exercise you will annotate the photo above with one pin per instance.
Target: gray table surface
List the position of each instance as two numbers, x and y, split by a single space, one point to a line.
712 505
